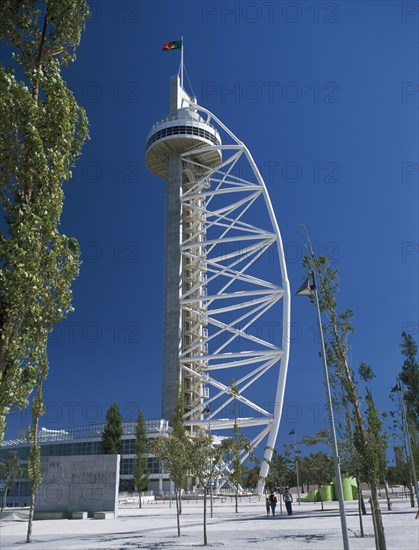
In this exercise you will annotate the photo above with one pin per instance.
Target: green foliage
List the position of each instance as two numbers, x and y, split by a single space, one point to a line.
43 131
175 456
251 475
280 471
236 450
10 470
206 457
322 436
398 475
321 468
175 453
112 433
409 376
206 460
376 441
366 372
141 473
364 438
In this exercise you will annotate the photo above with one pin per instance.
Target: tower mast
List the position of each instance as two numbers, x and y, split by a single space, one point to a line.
222 282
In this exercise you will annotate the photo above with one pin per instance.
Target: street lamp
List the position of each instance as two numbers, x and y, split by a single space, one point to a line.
292 432
398 388
207 410
308 288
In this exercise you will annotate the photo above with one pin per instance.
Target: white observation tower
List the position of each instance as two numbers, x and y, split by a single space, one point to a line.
227 296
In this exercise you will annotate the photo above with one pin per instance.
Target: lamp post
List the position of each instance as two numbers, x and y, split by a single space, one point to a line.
406 434
292 432
207 410
308 288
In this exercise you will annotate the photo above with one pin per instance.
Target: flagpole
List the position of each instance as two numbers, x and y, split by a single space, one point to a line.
181 62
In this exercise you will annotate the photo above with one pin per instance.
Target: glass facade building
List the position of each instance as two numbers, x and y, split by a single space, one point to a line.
86 440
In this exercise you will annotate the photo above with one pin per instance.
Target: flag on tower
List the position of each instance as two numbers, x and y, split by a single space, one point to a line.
175 45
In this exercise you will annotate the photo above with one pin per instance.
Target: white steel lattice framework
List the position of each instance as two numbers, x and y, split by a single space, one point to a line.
234 296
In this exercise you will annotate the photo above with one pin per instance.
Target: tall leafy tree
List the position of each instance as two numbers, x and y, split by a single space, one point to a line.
376 439
399 437
321 470
43 131
175 453
10 470
409 376
207 458
34 458
337 328
280 473
236 449
251 475
112 433
141 473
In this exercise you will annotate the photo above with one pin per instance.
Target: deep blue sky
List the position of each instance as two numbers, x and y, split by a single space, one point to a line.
323 93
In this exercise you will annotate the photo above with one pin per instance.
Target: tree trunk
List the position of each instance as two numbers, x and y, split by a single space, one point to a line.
361 497
3 506
34 483
411 494
387 496
237 500
320 495
360 511
178 512
380 540
38 66
205 515
30 518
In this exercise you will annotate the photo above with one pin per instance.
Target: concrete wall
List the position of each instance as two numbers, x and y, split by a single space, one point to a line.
78 483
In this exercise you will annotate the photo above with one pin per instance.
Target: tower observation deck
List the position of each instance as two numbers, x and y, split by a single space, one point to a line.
226 302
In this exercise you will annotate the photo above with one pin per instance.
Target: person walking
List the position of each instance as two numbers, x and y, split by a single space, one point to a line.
268 506
287 498
273 501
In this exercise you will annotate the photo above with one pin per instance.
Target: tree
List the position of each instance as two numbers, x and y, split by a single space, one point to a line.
409 376
141 473
236 449
337 329
400 435
175 453
251 475
396 475
207 458
279 472
310 466
321 470
43 131
376 439
10 470
112 433
34 459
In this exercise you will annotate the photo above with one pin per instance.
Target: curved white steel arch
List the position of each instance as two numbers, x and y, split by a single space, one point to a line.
217 212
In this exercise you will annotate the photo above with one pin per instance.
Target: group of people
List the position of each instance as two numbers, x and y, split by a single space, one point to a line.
271 501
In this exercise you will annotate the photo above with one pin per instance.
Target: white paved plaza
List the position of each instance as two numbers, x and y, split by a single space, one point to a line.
154 527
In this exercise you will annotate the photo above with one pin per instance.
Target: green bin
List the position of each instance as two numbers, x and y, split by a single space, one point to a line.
326 493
